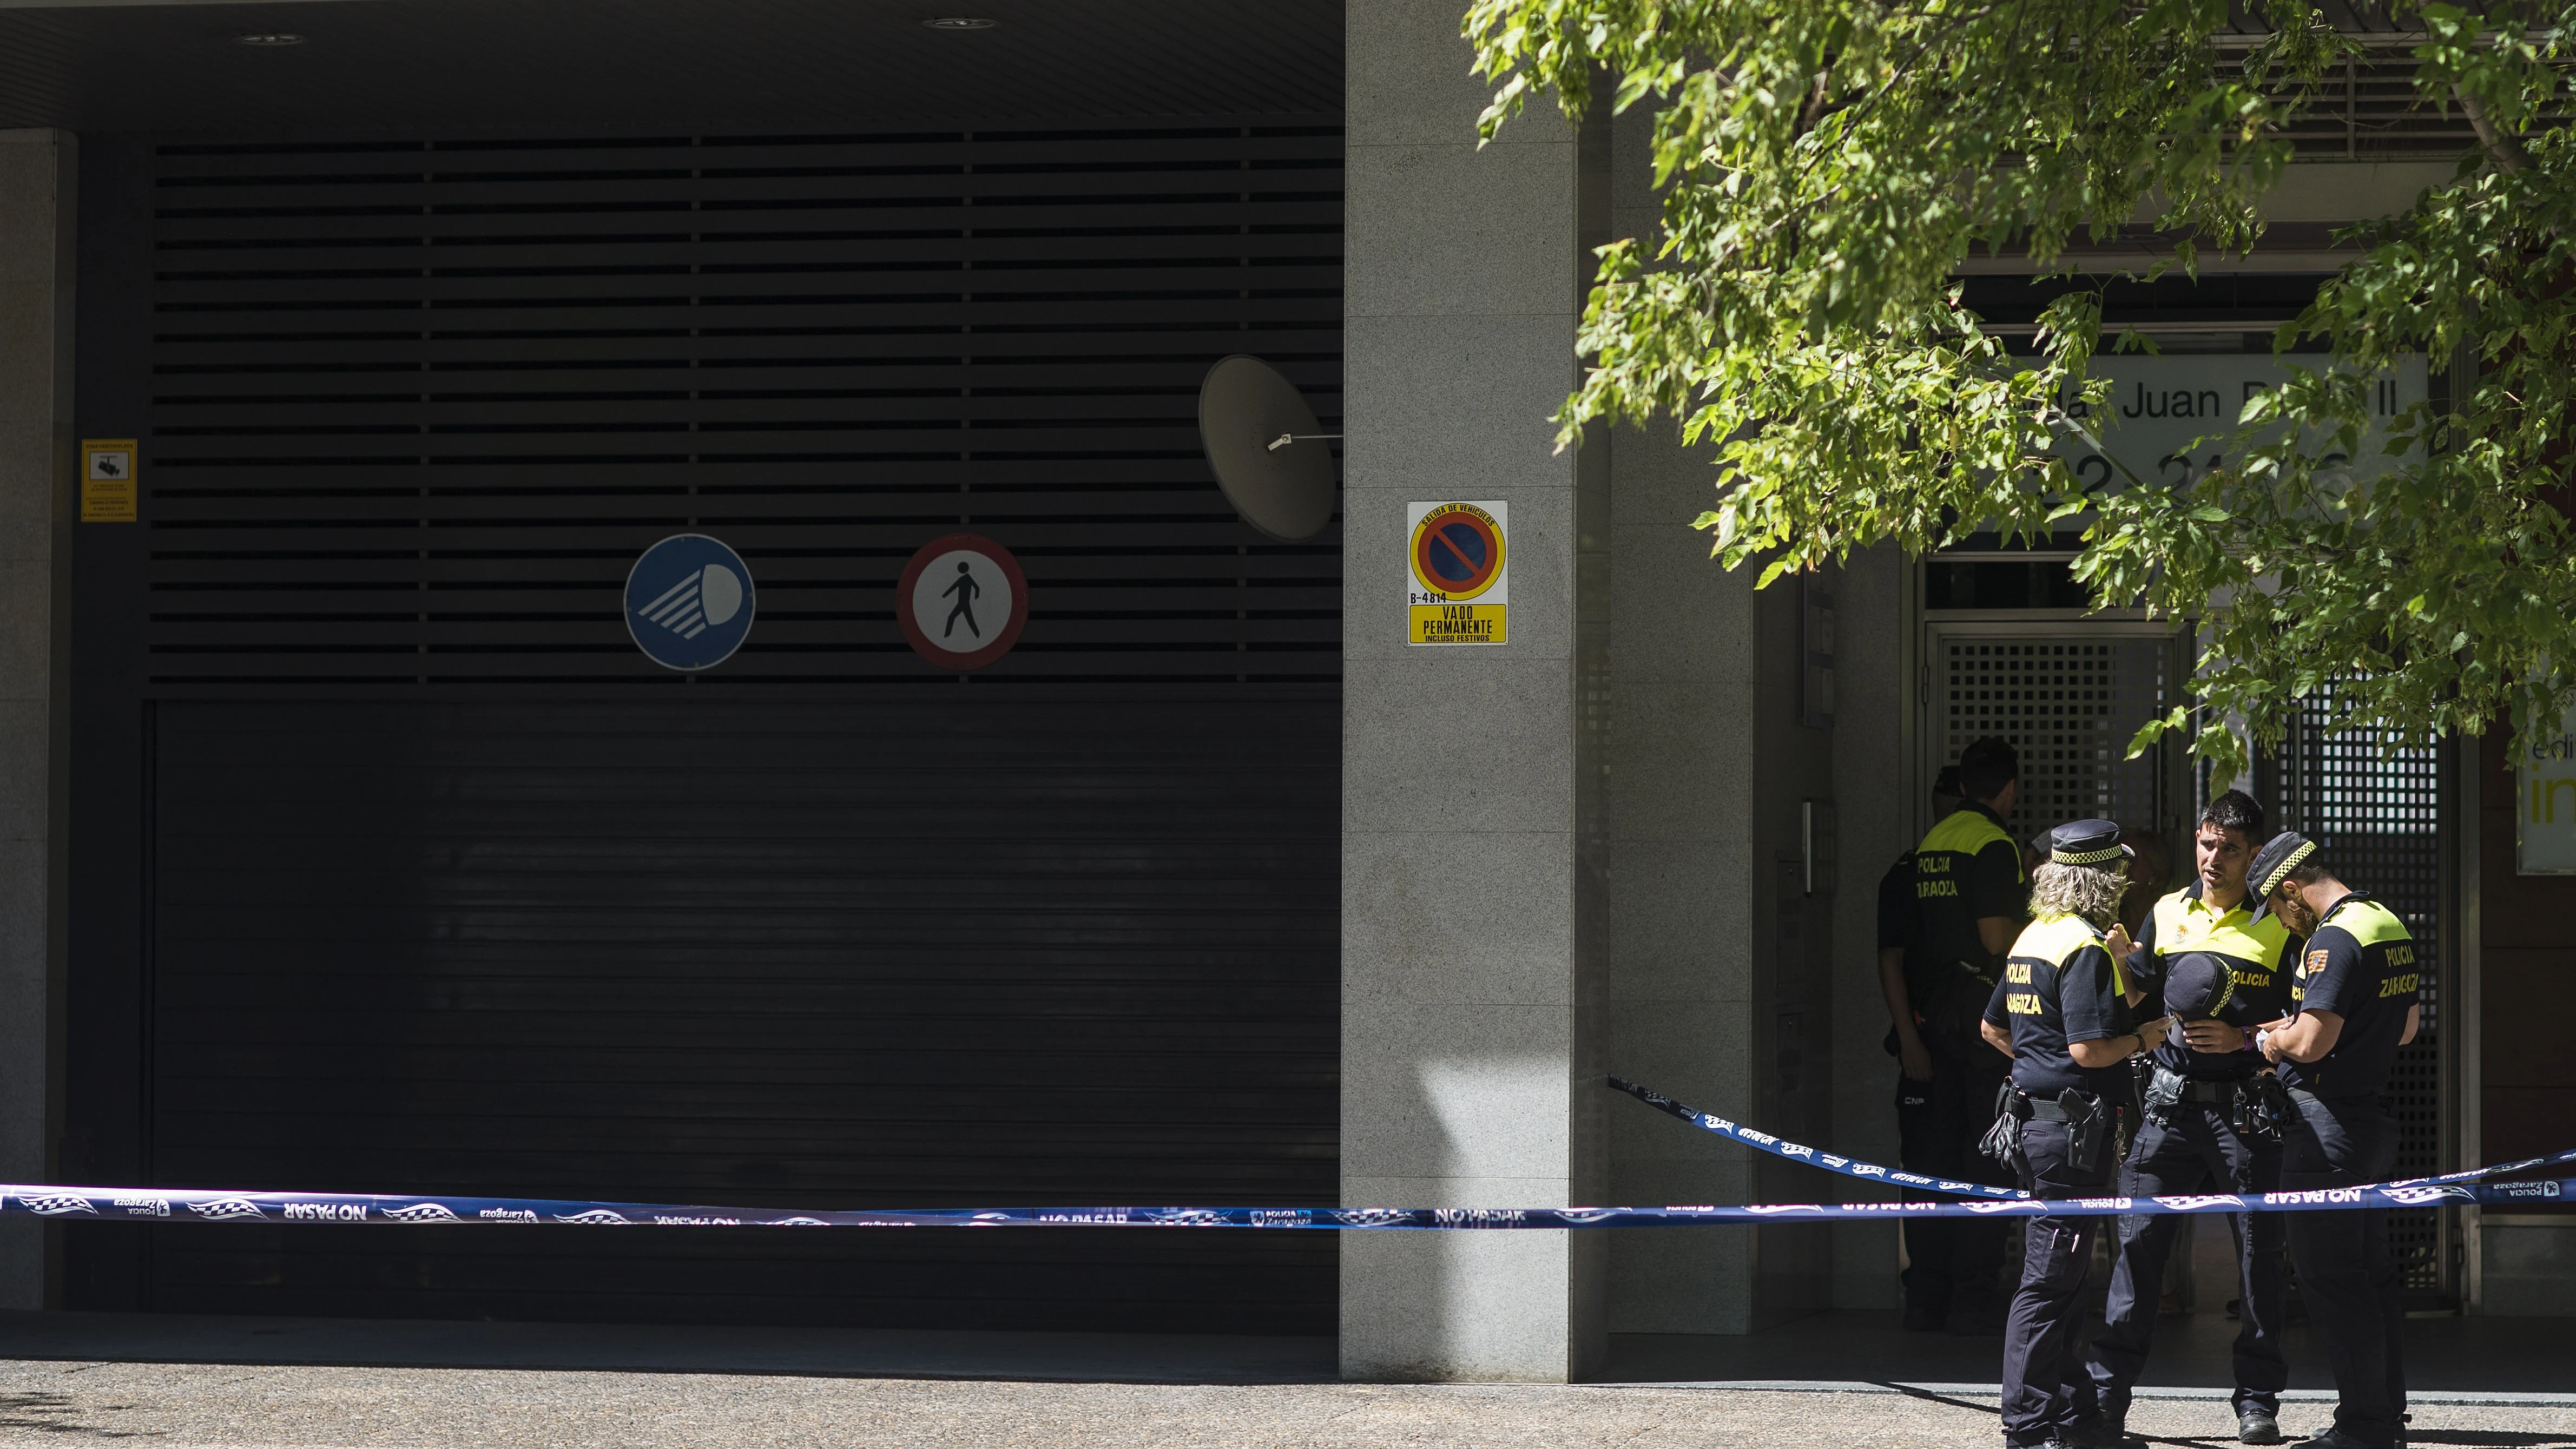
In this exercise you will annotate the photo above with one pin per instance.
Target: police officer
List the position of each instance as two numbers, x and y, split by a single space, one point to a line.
2355 999
1895 938
1967 903
1895 942
2206 1129
2062 1012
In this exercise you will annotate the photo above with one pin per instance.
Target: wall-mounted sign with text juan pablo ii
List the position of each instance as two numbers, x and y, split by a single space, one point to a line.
1460 589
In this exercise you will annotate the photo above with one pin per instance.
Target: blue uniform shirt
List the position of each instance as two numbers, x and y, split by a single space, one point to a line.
2059 986
2361 966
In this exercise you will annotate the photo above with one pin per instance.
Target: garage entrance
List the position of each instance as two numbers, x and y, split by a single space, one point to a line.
434 881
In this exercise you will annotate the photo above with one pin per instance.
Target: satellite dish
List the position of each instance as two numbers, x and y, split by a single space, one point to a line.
1262 441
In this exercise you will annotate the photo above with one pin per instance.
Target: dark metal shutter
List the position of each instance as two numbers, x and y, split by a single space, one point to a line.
797 953
419 405
454 889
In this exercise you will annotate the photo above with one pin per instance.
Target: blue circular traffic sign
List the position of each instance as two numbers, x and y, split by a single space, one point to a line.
688 602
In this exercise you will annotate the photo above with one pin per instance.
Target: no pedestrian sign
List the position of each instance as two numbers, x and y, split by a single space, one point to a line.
1460 566
962 601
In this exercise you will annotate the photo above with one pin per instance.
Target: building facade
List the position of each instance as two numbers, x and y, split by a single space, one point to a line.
352 844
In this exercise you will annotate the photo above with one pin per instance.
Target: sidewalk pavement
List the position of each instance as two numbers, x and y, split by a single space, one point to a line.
228 1383
260 1407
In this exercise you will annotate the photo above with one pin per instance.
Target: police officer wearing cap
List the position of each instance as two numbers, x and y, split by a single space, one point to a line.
2063 1014
2355 999
2209 1120
1967 903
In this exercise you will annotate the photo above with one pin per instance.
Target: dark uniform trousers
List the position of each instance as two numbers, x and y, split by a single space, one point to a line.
2045 1384
1938 1124
2197 1150
2347 1275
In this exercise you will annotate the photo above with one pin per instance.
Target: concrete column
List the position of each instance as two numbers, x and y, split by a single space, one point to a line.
1684 889
1720 973
1471 870
1884 806
38 177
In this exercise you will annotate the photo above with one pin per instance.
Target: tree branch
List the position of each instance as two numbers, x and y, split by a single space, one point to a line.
2502 149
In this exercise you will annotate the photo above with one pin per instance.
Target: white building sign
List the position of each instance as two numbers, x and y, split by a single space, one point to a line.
2545 807
2164 412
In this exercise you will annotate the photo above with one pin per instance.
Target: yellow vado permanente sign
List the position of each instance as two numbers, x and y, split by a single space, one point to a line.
1460 561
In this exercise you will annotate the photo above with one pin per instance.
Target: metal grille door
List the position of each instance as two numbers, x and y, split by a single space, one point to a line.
2069 700
797 953
418 405
2376 813
435 878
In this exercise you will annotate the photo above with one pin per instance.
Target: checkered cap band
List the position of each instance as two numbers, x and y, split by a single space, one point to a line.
2084 857
2288 863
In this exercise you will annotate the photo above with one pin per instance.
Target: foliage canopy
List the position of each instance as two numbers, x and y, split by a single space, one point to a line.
1827 167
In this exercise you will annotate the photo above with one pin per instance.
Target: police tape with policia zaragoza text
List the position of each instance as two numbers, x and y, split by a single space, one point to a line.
132 1204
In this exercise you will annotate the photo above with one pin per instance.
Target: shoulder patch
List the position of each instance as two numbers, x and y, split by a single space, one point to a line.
2316 962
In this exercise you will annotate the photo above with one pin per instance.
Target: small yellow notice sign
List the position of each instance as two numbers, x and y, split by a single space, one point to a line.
107 480
1460 590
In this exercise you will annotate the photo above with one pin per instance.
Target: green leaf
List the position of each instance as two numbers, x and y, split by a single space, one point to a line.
1828 167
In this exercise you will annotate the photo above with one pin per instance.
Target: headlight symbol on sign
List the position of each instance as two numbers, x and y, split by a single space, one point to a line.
689 602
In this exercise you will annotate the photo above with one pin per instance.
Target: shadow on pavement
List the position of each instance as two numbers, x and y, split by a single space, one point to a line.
2443 1355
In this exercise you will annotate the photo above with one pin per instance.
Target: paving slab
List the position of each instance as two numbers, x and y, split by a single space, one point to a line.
1851 1379
667 1348
2447 1355
263 1406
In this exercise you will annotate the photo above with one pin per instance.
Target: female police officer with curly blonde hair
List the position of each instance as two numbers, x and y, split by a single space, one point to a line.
2062 1013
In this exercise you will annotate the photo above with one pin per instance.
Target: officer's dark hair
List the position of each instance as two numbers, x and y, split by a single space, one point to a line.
1987 766
2234 810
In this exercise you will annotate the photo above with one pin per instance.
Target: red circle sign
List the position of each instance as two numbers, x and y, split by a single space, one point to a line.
1456 553
962 601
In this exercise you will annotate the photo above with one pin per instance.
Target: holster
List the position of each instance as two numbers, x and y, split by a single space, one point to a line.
2088 1126
2090 1122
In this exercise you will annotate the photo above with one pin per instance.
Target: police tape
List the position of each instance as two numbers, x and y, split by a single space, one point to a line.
1812 1156
1871 1171
124 1204
131 1204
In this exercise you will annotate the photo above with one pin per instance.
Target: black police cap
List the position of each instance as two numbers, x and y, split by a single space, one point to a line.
2279 856
1947 782
2197 984
2086 842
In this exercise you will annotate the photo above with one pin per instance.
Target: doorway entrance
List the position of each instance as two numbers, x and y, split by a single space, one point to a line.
2071 693
2069 696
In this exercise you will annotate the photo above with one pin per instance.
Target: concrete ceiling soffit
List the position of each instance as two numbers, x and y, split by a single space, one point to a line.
623 65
